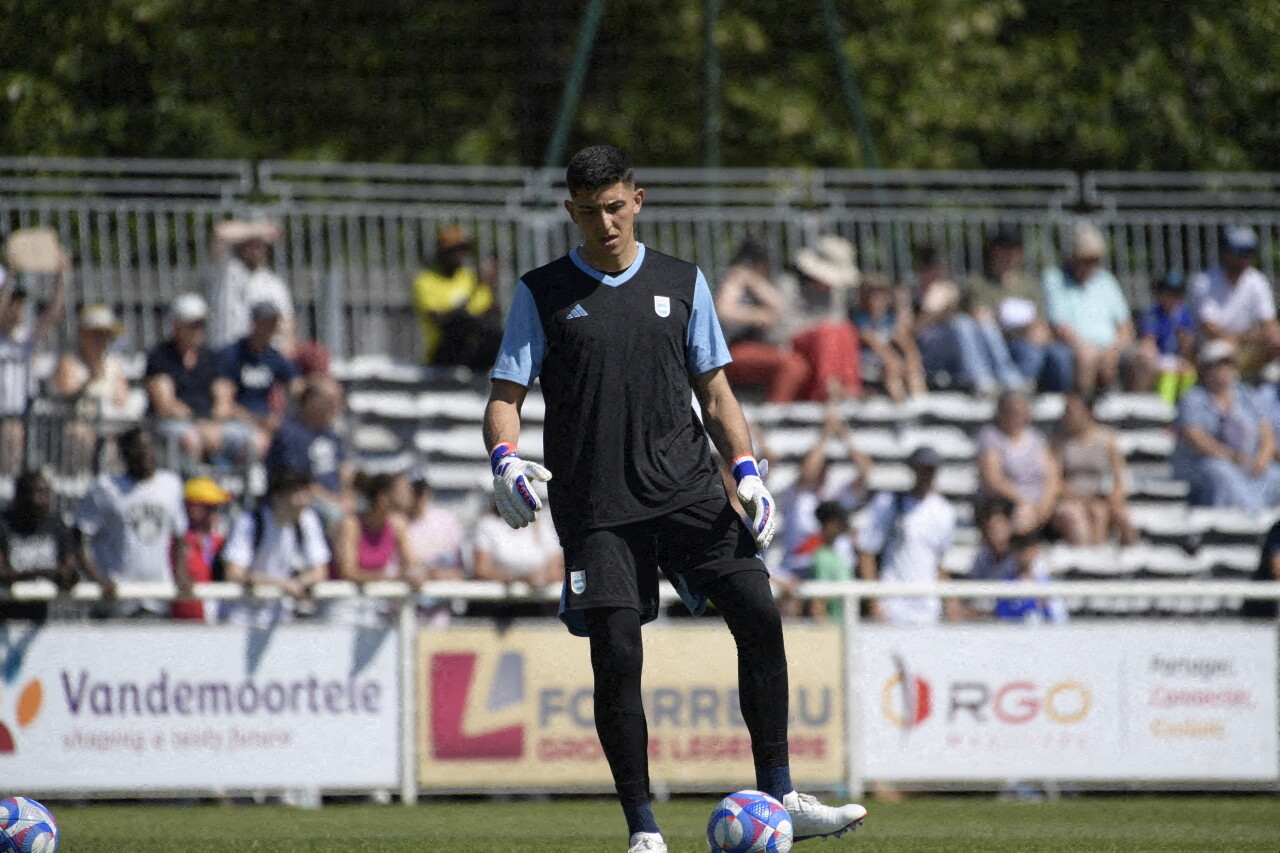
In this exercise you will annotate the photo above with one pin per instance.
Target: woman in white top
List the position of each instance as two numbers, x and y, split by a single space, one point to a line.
93 378
530 554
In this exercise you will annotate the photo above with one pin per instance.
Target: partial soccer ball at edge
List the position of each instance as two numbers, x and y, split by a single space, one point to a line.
26 827
749 822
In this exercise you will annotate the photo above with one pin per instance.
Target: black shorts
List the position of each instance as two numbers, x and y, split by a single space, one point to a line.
618 566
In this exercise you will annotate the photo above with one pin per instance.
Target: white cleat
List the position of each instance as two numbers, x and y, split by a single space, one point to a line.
647 842
811 819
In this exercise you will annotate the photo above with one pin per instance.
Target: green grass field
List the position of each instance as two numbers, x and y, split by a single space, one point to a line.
968 824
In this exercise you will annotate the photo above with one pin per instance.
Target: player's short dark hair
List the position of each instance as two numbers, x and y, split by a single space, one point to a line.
598 167
283 481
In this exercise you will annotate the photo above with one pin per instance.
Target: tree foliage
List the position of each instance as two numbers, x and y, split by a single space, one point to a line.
1075 84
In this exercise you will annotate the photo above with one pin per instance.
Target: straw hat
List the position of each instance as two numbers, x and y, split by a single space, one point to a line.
100 317
831 260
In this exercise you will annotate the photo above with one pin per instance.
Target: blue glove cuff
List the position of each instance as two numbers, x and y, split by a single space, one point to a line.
500 452
745 466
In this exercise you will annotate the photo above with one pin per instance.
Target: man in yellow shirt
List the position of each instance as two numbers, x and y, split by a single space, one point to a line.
460 321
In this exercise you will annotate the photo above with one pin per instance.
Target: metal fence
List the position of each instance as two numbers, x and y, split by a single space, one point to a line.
357 233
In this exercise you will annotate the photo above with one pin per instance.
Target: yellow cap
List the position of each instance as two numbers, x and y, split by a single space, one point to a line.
203 490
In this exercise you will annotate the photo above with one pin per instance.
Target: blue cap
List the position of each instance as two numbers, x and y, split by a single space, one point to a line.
1240 239
924 456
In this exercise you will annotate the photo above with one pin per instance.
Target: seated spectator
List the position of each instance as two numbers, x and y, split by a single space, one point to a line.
279 543
253 379
1164 356
1268 571
1006 557
904 540
135 523
529 554
204 501
372 544
756 316
955 351
244 278
1233 302
1015 463
1087 311
828 341
889 352
1094 495
1226 447
180 375
1004 300
460 320
833 560
798 532
93 378
307 442
435 540
34 544
19 339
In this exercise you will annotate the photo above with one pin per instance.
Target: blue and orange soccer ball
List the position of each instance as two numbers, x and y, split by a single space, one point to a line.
26 827
749 822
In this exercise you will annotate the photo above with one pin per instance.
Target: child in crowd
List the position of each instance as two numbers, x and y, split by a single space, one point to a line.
1164 357
833 561
204 499
1016 558
889 353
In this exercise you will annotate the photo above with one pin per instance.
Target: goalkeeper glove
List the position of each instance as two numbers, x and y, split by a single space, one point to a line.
512 494
756 499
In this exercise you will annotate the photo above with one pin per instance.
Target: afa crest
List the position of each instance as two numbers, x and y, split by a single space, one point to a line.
662 306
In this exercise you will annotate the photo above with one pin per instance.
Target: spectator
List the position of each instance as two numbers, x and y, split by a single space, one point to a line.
1233 301
829 341
436 540
1004 300
19 339
889 351
904 540
204 501
307 442
1087 311
1225 444
456 306
372 544
1094 496
34 544
244 279
135 523
93 378
1019 559
529 554
1268 571
798 503
833 560
280 543
253 379
954 350
756 317
1164 356
180 375
1016 463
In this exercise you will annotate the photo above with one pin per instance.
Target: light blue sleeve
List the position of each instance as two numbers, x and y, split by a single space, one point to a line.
705 348
1120 306
1051 289
523 343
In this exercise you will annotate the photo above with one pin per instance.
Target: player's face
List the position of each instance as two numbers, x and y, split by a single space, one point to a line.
606 218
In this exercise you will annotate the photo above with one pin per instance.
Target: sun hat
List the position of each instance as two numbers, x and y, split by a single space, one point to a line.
831 260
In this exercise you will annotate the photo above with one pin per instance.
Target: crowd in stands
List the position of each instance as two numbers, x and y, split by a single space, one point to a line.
232 389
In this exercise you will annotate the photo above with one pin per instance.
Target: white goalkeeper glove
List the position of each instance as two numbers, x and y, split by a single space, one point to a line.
513 494
756 499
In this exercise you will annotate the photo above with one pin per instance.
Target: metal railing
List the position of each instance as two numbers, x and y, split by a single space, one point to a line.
356 234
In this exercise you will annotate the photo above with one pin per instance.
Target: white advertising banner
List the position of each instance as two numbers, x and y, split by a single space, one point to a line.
1143 702
134 707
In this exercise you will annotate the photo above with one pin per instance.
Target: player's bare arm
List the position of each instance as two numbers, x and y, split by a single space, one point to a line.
722 415
513 496
502 413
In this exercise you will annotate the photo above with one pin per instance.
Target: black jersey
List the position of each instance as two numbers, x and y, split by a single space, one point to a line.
621 436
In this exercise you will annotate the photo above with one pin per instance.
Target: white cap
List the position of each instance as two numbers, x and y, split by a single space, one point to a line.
189 308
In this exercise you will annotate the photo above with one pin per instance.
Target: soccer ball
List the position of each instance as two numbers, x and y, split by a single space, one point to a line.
26 827
749 822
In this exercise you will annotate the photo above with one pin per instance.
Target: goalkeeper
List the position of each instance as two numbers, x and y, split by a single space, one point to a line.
619 334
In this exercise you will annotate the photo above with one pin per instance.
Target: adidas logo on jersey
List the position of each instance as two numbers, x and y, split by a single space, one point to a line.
578 311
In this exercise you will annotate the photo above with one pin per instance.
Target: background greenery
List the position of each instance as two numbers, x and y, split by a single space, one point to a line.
1077 84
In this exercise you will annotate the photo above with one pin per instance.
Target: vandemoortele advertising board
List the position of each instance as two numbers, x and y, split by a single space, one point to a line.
1141 702
514 709
124 708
